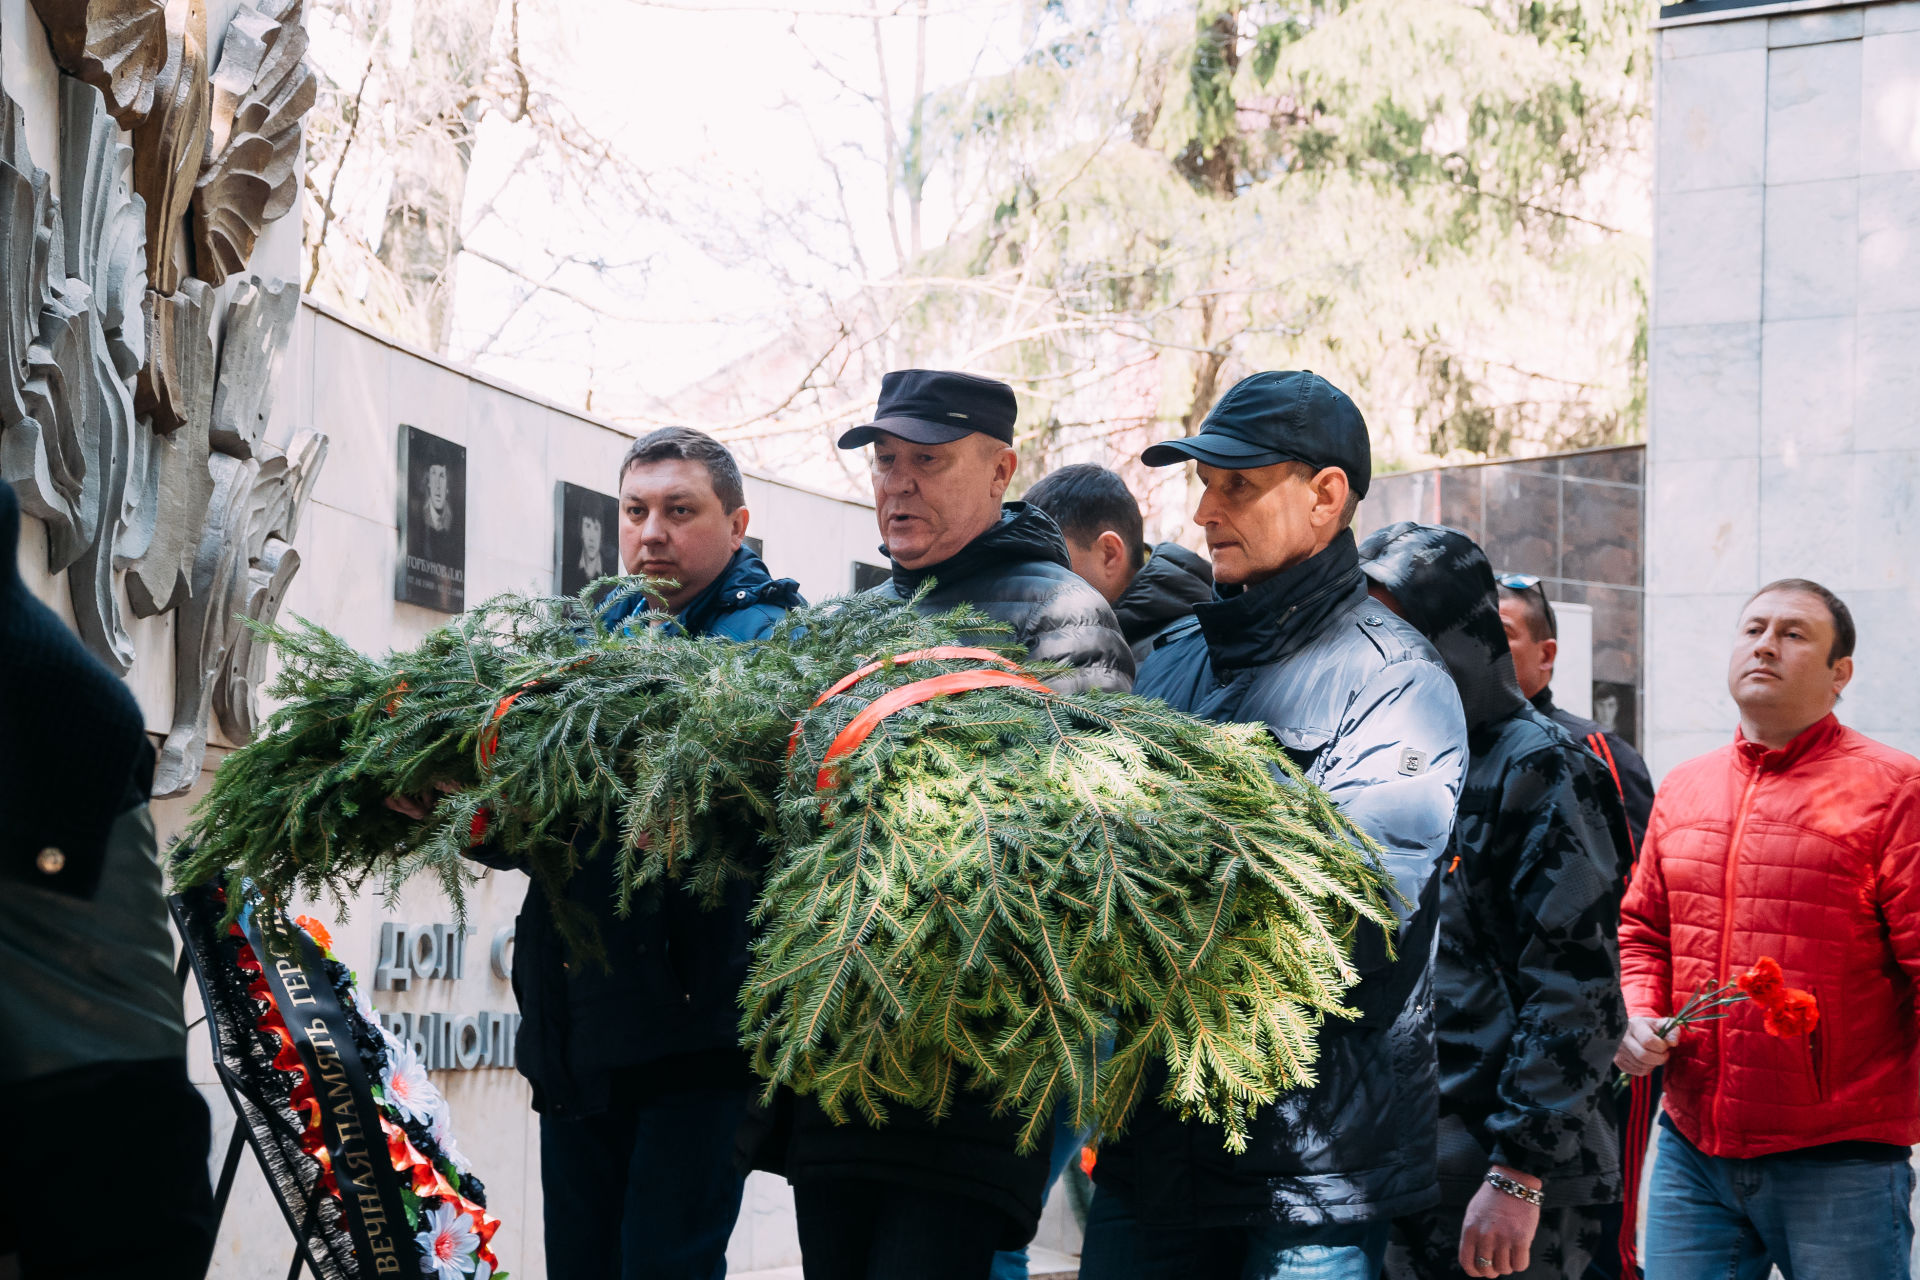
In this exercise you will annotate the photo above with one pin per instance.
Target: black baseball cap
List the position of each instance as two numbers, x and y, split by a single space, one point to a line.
1293 415
935 406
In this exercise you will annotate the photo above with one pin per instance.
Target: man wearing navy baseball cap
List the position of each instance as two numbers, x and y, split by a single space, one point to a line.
1366 708
916 1198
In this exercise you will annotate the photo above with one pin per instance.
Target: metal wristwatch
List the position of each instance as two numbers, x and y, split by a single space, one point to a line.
1518 1190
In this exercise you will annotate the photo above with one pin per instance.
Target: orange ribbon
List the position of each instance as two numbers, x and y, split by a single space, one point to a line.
857 730
853 678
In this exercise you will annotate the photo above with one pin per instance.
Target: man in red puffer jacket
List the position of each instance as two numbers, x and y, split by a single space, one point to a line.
1800 841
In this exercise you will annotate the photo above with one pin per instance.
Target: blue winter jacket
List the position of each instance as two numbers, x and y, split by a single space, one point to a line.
1364 705
670 987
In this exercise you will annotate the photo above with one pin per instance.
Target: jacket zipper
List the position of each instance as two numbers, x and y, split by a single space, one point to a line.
1726 933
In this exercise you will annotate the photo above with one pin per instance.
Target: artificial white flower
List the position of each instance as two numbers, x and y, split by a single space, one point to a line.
406 1085
448 1244
443 1135
481 1271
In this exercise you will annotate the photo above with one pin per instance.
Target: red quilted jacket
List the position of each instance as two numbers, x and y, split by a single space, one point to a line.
1809 854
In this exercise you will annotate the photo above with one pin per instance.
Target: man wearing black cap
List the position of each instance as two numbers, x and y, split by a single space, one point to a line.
916 1198
1364 705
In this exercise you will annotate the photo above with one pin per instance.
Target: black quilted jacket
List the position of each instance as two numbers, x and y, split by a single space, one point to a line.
1527 984
1018 573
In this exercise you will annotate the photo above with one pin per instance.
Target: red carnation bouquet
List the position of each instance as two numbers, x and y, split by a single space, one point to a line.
1788 1011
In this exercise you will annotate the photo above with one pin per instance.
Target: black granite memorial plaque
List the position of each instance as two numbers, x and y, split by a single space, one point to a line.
1614 710
586 537
432 570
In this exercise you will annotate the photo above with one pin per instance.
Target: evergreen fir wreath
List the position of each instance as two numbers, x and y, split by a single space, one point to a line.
968 881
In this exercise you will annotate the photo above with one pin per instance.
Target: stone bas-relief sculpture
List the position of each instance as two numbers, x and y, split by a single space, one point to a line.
262 90
138 440
117 46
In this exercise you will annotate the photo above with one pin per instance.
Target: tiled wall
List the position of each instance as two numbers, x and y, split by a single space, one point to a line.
1784 433
1571 518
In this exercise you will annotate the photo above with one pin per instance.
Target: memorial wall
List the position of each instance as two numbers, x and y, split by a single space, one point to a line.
1784 391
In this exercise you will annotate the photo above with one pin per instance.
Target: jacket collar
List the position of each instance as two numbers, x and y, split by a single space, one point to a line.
1253 626
743 582
1543 701
1167 587
1810 741
1023 533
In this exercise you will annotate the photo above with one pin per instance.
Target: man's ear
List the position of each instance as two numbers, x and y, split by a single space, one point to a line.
1112 549
1330 489
1549 651
737 522
1842 676
1005 463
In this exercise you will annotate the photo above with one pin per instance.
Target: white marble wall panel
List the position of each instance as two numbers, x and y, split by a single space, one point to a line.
1890 102
505 497
1884 699
1812 249
1714 107
1705 39
29 73
1708 511
1799 536
1813 112
1882 18
1707 391
1886 518
431 397
1806 386
1692 697
1816 27
1707 256
1887 380
1890 241
1826 484
350 404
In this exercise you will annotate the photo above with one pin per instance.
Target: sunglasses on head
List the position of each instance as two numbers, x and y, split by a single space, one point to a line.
1531 582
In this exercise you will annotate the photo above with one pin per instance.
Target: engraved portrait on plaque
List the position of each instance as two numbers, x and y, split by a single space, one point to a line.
433 522
586 537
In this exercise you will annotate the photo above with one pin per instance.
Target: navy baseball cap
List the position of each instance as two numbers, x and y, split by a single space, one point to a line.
934 406
1288 416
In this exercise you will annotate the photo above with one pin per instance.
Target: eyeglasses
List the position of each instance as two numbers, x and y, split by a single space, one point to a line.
1531 582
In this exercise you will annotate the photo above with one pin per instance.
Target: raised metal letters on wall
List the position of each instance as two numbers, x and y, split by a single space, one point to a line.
126 426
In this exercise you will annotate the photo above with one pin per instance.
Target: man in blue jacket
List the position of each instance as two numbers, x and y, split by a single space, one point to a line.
635 1063
1364 705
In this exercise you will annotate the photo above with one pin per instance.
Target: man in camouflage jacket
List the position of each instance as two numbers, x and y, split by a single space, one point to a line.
1527 982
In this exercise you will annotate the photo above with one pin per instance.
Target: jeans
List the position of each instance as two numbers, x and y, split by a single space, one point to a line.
1712 1218
644 1191
1011 1264
1120 1248
860 1229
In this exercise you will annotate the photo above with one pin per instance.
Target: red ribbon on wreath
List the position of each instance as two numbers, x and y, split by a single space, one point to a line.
858 729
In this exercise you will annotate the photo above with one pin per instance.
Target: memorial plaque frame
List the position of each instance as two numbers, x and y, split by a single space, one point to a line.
431 513
585 522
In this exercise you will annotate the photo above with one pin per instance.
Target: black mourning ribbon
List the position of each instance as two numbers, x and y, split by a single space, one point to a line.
350 1122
